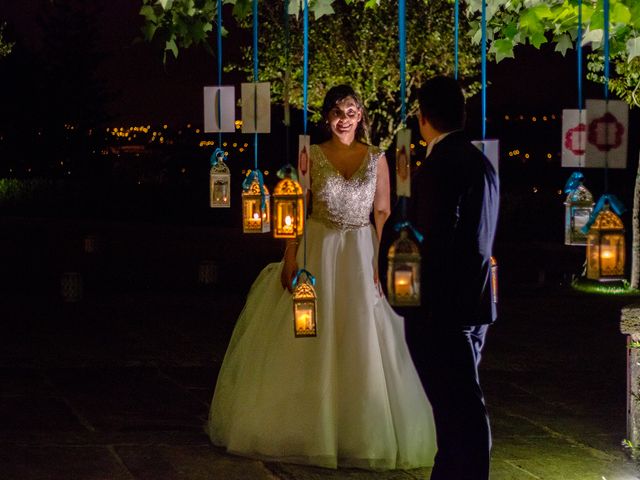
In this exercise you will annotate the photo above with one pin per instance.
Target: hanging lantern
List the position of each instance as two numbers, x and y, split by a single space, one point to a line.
304 306
578 208
403 277
288 207
219 182
605 247
256 219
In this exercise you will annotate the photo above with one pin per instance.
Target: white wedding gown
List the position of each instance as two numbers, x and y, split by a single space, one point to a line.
349 397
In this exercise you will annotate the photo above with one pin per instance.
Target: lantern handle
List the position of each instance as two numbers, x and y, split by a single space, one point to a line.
246 185
217 156
406 224
311 279
573 182
288 171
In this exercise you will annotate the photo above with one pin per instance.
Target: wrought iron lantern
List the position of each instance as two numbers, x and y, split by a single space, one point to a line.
578 208
219 182
256 216
403 276
605 247
288 207
304 306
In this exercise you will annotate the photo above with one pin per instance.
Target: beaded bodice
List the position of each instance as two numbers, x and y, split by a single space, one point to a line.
343 203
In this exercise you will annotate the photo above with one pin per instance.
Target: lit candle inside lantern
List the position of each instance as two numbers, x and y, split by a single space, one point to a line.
403 282
288 220
304 319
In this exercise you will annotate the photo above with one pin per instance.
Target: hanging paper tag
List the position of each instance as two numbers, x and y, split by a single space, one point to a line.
574 137
607 134
491 150
403 163
256 108
304 161
219 101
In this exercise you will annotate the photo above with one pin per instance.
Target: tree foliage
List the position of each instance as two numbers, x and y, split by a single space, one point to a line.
5 46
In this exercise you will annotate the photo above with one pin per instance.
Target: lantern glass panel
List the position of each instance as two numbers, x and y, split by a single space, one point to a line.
578 208
606 248
255 220
403 278
612 255
288 204
304 310
219 186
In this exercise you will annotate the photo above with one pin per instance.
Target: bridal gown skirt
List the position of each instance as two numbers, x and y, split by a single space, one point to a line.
349 397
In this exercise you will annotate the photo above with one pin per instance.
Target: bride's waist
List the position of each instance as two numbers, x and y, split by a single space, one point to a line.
340 224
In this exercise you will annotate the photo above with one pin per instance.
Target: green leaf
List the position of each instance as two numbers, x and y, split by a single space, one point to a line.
620 14
503 48
633 48
149 30
593 36
166 4
242 8
634 11
171 46
537 39
147 12
563 44
323 7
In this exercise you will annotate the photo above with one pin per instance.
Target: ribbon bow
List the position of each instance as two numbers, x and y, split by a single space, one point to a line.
573 182
310 278
288 170
605 200
407 224
217 156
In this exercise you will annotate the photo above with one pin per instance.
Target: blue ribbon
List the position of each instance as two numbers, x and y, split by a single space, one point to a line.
218 155
402 40
484 69
255 79
305 73
574 182
407 224
579 55
219 68
607 199
248 180
606 49
289 171
456 20
310 278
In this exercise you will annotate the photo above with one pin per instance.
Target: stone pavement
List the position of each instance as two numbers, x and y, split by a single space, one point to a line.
117 386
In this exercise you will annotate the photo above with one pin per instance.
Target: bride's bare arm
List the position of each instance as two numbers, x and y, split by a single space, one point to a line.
382 201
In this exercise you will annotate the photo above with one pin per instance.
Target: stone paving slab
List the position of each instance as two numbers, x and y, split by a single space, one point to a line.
299 472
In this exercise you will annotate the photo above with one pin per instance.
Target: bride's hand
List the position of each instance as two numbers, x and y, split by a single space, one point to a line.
289 270
376 281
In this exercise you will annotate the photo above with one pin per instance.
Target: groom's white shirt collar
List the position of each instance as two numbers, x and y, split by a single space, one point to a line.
439 138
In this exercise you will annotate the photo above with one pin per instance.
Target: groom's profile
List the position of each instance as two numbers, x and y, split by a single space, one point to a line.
456 207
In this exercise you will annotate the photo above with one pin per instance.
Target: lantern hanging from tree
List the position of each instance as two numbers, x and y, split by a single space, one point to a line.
304 305
256 216
605 247
219 181
403 276
288 207
578 208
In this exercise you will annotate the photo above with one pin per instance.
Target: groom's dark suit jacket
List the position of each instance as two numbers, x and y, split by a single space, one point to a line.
455 206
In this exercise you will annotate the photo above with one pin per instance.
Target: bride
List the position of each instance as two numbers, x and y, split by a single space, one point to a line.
349 397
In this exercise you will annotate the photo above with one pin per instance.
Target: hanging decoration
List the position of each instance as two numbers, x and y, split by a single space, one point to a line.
605 241
578 208
255 204
304 305
219 109
288 205
607 134
403 138
304 140
219 181
403 276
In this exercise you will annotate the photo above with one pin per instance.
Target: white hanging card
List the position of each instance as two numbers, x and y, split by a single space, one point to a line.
403 163
607 134
256 108
225 98
304 161
574 137
491 150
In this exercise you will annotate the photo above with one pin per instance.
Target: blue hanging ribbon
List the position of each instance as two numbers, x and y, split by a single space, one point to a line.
310 278
484 69
606 49
248 180
579 55
456 34
217 156
574 182
606 199
289 171
219 68
255 79
305 73
407 224
402 40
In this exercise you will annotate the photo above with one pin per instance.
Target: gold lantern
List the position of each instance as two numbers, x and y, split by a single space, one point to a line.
219 183
304 308
288 207
403 276
255 219
605 247
578 208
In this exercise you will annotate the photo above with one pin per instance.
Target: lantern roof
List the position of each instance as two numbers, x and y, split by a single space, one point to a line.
254 189
220 167
287 186
304 291
607 220
580 194
403 245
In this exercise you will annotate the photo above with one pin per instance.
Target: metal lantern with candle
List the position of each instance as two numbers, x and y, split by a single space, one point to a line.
288 207
578 208
219 181
605 247
403 276
304 305
256 215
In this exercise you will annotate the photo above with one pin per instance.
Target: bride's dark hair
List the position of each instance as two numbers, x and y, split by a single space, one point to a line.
337 94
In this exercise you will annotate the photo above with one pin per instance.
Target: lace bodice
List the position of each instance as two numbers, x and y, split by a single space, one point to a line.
340 202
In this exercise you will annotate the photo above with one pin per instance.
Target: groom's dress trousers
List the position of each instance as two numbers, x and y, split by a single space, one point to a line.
456 207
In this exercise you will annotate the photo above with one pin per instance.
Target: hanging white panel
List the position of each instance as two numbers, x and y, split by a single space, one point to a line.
304 161
574 137
256 107
403 163
225 97
607 134
491 150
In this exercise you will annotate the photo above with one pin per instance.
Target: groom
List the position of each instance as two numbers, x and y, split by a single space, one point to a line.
456 207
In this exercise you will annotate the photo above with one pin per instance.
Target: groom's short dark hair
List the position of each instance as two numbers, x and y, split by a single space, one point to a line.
442 103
